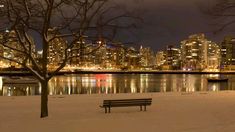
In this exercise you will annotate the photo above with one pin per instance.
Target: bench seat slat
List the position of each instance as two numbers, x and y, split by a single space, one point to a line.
127 102
118 104
129 99
107 102
111 103
126 105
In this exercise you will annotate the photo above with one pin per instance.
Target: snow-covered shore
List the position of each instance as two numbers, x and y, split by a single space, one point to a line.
169 112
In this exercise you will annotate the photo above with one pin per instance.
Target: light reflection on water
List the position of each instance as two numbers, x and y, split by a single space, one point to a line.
120 83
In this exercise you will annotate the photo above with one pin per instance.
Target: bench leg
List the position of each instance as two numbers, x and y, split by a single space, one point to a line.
109 109
141 108
105 109
145 108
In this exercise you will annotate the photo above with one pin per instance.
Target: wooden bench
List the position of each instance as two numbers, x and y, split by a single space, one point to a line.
107 104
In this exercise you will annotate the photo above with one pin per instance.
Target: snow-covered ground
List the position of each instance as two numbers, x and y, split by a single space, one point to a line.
169 112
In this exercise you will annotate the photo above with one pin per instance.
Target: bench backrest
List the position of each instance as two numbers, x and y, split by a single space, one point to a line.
128 102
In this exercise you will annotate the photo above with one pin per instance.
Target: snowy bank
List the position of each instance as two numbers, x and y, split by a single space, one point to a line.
169 112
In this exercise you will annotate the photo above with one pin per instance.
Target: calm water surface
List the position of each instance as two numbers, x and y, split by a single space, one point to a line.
120 83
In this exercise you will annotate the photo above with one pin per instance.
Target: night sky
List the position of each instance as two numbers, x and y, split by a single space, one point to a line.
167 22
170 21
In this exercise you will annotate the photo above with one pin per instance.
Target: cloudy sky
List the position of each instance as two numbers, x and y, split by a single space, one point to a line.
167 22
170 21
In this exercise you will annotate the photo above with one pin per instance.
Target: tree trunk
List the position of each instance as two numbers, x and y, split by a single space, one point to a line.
44 99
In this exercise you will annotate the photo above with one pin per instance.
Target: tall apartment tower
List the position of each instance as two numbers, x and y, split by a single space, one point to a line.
213 55
227 48
194 52
56 51
173 56
160 59
132 58
10 53
146 57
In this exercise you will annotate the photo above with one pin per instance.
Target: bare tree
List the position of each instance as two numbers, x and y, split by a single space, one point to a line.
50 20
222 12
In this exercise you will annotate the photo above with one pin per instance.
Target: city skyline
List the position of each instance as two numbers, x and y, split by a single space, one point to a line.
196 53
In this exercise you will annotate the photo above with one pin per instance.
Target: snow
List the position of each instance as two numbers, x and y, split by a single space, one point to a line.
169 112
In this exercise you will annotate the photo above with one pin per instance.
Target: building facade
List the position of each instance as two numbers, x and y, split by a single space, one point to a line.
56 50
213 57
194 52
146 58
173 57
228 53
12 49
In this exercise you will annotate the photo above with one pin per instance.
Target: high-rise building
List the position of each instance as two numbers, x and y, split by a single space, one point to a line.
194 52
108 61
56 51
169 59
132 58
119 56
173 56
100 54
160 59
228 53
12 49
146 57
115 56
213 54
2 62
75 51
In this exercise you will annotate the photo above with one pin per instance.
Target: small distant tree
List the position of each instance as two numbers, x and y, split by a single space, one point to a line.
49 20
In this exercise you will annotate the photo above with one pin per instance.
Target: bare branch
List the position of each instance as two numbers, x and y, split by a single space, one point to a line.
12 60
222 12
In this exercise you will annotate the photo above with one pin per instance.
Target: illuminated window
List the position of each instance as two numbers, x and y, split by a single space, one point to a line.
194 54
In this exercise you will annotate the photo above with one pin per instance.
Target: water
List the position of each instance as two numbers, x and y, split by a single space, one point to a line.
120 83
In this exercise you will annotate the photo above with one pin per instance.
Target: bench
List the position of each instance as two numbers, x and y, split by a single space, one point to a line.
107 104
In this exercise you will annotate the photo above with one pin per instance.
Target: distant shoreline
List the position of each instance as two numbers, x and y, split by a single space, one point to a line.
26 73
